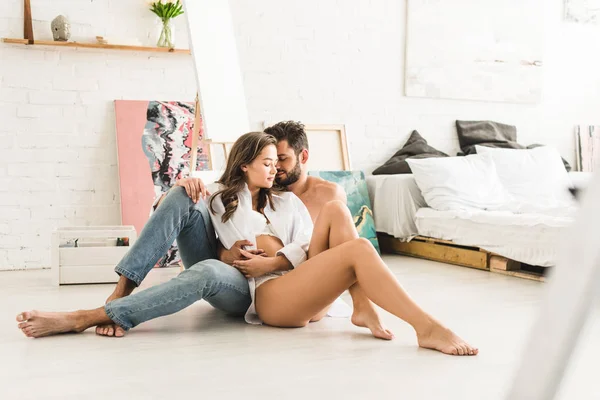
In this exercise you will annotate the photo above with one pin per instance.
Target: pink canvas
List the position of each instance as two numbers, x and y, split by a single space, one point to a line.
154 151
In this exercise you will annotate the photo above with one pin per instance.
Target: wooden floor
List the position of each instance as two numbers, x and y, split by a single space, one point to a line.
199 353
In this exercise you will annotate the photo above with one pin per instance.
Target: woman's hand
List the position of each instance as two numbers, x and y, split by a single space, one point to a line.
194 187
255 265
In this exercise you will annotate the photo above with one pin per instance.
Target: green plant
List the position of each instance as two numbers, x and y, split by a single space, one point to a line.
166 9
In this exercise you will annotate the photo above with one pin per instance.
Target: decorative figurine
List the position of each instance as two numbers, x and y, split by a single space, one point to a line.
61 29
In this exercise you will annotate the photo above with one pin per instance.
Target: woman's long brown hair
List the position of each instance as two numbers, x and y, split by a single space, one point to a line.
244 151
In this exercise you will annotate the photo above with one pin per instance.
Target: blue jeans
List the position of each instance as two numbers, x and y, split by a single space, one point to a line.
204 277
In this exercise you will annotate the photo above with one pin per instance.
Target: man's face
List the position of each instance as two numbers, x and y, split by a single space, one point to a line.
289 168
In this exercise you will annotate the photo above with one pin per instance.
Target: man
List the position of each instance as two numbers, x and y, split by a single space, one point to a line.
181 215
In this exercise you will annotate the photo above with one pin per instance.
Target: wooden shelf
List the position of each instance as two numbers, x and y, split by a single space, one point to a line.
96 46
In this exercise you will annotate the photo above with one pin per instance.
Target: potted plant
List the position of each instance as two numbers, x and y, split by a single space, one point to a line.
166 10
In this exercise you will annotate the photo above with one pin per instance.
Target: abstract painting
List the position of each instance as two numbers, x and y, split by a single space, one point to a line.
357 196
587 147
583 11
484 50
154 143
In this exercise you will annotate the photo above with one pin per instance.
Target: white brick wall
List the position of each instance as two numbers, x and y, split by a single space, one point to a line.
58 163
317 61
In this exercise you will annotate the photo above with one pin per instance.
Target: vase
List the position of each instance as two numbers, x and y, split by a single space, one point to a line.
167 34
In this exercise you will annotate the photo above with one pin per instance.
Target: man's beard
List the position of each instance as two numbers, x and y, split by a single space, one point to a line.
291 176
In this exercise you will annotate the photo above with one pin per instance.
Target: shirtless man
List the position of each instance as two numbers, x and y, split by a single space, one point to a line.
315 193
182 215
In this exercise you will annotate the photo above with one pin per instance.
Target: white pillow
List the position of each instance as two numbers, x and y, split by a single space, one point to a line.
458 183
536 178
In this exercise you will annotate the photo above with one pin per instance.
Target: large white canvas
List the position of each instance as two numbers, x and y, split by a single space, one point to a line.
584 11
475 49
220 85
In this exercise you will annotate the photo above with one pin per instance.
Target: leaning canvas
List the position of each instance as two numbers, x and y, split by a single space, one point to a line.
587 147
154 143
485 50
357 196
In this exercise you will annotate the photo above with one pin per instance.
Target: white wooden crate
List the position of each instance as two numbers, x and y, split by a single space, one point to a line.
96 256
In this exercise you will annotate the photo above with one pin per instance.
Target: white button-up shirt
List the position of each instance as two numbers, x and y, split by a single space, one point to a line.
289 219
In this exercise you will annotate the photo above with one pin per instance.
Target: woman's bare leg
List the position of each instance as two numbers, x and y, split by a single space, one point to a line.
319 281
39 324
333 227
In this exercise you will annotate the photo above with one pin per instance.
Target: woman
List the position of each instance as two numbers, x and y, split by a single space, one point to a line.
247 208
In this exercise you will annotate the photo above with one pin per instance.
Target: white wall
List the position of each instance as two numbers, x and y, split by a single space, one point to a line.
58 160
317 61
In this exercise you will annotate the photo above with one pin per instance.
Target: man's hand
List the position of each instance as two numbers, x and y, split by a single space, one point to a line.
194 187
235 253
254 265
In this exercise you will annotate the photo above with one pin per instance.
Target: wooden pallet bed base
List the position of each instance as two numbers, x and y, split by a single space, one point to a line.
467 256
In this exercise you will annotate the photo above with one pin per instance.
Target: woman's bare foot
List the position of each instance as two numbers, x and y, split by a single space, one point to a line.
366 316
438 337
123 289
38 324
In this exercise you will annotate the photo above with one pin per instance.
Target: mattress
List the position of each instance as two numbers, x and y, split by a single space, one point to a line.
395 200
528 238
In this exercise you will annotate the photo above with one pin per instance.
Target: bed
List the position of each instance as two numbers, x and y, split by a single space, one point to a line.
402 215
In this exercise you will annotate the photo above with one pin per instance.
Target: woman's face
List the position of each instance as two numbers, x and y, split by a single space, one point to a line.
261 172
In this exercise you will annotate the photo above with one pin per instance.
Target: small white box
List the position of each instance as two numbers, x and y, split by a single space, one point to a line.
88 254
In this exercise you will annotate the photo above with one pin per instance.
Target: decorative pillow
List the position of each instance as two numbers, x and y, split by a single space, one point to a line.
458 183
494 134
415 147
536 179
490 134
357 196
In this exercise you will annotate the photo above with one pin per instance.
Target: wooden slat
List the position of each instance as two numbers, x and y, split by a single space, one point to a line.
96 46
504 264
27 21
521 274
15 41
437 252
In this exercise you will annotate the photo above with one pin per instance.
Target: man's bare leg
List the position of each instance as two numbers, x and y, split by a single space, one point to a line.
39 324
124 288
341 229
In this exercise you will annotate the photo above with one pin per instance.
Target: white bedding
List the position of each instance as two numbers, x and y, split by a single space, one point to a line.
528 238
395 200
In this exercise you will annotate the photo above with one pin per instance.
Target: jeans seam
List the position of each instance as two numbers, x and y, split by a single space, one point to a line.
168 236
129 274
220 286
138 279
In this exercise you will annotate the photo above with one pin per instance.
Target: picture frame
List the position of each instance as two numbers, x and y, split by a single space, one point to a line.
323 141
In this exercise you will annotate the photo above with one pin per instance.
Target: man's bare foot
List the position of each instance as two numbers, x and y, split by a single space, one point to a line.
366 316
438 337
123 289
38 324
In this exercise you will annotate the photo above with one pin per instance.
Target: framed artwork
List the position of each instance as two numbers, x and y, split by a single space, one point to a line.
587 147
358 200
485 50
328 148
582 11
